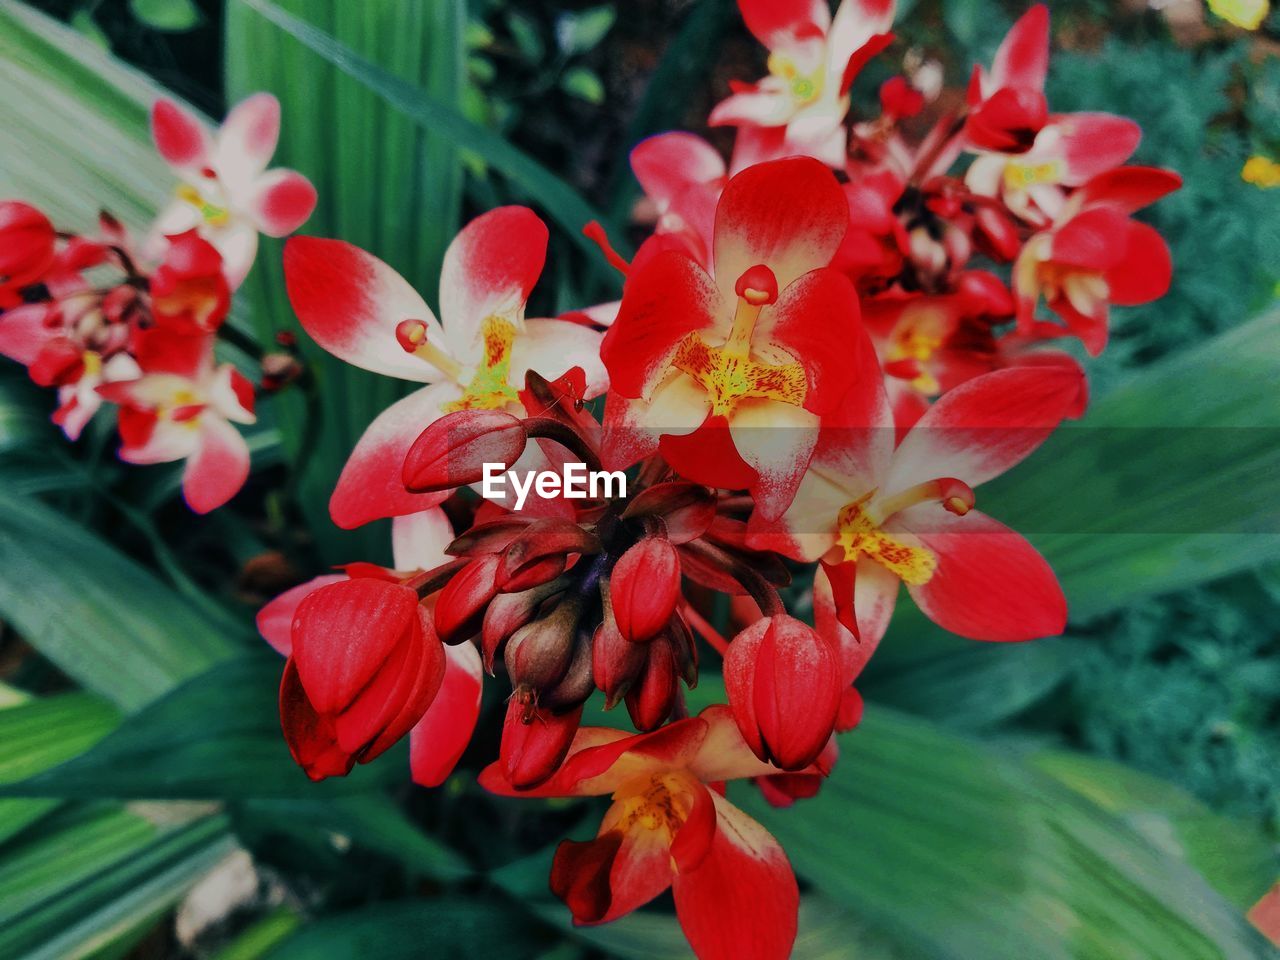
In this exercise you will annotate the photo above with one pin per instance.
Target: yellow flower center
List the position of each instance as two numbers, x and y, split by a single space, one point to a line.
917 337
1019 176
92 361
489 389
860 536
211 213
805 87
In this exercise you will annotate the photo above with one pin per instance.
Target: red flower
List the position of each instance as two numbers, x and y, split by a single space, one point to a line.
728 376
877 516
735 894
1095 254
1007 107
365 667
189 293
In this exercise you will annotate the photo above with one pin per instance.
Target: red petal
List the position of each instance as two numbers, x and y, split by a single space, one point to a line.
1145 271
816 320
990 583
219 467
275 619
580 875
282 201
741 901
667 298
983 427
1130 188
179 137
311 738
1023 57
371 485
789 215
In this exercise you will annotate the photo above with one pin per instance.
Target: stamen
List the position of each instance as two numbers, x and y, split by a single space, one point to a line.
954 495
412 337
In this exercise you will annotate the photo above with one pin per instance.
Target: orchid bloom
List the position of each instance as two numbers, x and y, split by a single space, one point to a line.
876 516
183 408
227 192
727 374
362 311
735 893
438 739
1065 151
799 108
1095 254
683 176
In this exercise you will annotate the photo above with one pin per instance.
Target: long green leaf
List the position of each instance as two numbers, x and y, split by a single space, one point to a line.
95 875
385 184
38 734
97 614
216 736
963 853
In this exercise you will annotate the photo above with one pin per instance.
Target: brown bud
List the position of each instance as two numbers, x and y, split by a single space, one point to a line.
539 653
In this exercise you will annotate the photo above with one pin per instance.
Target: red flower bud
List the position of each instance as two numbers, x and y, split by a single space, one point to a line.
686 509
899 99
615 661
996 234
27 241
541 552
461 604
784 686
453 451
507 613
535 742
653 695
364 669
490 536
644 587
538 654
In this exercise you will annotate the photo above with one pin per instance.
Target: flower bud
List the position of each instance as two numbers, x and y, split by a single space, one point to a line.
540 553
686 509
577 684
461 604
364 669
27 241
615 661
652 697
453 451
996 234
539 653
535 741
644 587
507 613
784 686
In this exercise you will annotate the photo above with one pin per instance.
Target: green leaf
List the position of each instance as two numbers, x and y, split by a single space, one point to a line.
370 821
960 852
76 140
216 736
559 200
97 614
94 875
38 734
170 15
581 31
525 33
84 24
447 926
583 84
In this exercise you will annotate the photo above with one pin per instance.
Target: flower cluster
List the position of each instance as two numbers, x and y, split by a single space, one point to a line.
102 320
822 349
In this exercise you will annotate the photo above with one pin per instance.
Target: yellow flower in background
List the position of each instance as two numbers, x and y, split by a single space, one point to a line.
1261 172
1248 14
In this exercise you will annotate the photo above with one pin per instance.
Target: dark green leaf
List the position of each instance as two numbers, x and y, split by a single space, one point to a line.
583 84
216 736
99 616
581 31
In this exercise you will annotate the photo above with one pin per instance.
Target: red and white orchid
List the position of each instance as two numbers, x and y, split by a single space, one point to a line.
1095 255
683 176
799 108
183 408
362 311
876 516
728 374
669 826
227 192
